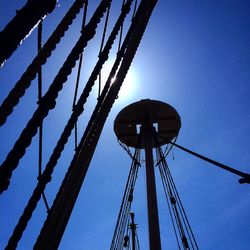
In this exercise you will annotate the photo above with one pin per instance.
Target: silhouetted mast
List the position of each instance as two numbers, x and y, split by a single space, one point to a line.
138 125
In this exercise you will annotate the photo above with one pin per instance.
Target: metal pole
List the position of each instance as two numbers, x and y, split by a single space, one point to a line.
153 220
245 177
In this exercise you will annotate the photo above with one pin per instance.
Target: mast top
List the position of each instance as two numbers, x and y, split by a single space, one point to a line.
163 117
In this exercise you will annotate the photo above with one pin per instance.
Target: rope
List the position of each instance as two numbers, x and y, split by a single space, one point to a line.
40 139
123 216
245 177
169 196
22 24
49 100
121 30
175 199
79 70
166 194
67 195
101 47
126 148
137 240
135 8
46 176
25 81
182 210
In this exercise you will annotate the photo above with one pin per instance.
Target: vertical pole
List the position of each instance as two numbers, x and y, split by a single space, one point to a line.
153 220
133 228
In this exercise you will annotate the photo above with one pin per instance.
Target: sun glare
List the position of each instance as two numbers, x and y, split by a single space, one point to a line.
129 86
128 89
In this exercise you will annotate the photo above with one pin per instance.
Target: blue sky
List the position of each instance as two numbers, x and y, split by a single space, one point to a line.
195 55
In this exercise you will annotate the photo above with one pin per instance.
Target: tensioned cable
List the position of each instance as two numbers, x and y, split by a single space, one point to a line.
126 204
126 148
166 194
128 201
181 209
172 199
176 199
137 240
245 177
79 70
101 48
40 137
169 179
121 31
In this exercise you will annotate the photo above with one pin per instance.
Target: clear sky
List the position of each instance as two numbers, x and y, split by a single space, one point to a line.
195 55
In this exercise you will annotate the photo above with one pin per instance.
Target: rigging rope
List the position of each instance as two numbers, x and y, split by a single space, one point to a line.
121 30
40 139
176 204
126 148
101 47
25 81
49 99
168 203
123 216
46 176
65 200
22 24
245 177
79 70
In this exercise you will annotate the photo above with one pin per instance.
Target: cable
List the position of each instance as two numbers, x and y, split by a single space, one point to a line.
123 216
79 71
166 194
180 214
101 47
245 177
40 139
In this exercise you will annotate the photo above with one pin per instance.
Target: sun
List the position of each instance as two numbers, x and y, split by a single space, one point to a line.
129 86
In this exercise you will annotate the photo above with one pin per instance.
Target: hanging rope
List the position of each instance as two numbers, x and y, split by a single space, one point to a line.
40 139
46 176
79 71
25 81
49 99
